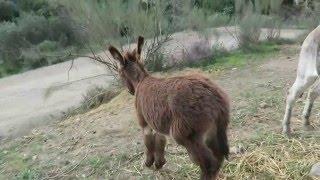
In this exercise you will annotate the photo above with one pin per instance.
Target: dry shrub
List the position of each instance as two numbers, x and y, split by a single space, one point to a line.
198 50
273 24
93 98
96 96
250 28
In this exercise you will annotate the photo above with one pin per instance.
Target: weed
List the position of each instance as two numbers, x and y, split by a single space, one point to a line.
28 174
97 162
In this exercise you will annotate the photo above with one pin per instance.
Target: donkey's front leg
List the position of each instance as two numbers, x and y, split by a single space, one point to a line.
149 141
160 145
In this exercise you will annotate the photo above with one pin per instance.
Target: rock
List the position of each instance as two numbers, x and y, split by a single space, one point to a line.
239 149
25 156
263 105
66 162
315 170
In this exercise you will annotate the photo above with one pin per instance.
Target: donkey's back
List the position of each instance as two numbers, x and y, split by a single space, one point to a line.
184 107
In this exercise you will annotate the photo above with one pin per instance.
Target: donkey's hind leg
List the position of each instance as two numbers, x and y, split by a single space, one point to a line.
149 141
298 87
219 147
160 144
314 92
201 155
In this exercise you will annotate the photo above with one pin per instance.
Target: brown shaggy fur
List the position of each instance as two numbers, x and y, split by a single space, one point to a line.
191 109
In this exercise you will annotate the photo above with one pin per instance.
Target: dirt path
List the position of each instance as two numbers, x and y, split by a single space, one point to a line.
24 99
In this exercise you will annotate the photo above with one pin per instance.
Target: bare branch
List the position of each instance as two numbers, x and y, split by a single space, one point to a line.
109 63
72 62
156 43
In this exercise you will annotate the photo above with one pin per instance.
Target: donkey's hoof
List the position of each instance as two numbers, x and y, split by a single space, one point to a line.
149 162
308 128
208 176
159 163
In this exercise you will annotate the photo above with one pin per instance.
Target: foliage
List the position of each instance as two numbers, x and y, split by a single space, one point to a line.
222 6
30 31
33 28
8 11
254 15
250 29
155 20
48 46
33 31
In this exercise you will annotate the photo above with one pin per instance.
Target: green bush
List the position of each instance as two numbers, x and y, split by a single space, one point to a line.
11 43
32 59
48 46
218 19
39 7
250 30
221 6
44 28
61 30
8 11
33 28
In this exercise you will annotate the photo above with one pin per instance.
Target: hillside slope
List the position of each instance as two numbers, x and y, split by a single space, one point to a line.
107 142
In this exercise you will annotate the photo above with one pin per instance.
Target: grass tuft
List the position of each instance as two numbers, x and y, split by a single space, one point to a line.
272 156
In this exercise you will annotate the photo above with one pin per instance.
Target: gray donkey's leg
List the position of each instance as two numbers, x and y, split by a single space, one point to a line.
314 92
298 87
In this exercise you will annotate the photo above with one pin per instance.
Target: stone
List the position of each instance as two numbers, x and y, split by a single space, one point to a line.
263 105
315 170
239 149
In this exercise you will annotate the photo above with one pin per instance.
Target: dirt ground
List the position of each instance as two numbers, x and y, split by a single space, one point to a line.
106 143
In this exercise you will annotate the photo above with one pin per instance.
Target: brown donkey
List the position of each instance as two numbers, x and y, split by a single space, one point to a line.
191 109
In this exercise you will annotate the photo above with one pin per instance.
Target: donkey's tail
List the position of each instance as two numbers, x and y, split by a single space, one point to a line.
223 141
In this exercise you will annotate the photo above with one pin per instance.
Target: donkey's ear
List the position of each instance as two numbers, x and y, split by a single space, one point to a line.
140 44
116 55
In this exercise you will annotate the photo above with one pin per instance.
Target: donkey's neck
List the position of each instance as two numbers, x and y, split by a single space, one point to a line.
140 79
148 78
